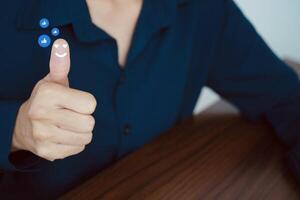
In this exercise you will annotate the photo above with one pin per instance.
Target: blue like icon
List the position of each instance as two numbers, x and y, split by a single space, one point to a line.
44 41
44 23
55 31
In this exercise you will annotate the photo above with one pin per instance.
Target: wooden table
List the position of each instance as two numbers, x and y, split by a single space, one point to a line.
215 155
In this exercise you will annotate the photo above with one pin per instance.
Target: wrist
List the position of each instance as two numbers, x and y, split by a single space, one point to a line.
19 128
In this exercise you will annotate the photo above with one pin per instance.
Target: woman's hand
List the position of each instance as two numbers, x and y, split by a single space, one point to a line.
56 121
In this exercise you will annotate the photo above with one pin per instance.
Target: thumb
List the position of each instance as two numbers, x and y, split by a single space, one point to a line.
59 62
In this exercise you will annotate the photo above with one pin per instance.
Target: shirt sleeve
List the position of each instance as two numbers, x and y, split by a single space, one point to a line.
248 74
8 112
22 161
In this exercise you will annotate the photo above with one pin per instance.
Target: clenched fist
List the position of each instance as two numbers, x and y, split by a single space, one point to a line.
56 121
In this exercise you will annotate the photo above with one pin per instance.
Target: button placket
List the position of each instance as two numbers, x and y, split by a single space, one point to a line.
127 129
122 77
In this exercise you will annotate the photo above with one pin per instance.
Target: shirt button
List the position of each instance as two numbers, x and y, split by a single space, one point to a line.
122 78
127 129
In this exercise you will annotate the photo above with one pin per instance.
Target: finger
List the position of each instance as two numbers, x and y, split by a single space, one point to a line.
52 151
59 62
72 121
66 137
54 134
78 101
62 97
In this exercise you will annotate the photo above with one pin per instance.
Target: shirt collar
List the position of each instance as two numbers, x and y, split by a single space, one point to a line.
157 14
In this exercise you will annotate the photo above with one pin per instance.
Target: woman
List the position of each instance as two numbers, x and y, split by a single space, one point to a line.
144 62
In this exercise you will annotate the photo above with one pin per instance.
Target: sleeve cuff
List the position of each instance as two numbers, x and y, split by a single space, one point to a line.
18 161
8 111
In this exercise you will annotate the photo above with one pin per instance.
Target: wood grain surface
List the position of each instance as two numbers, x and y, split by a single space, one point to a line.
214 155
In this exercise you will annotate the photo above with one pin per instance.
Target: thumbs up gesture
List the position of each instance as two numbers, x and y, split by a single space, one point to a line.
56 121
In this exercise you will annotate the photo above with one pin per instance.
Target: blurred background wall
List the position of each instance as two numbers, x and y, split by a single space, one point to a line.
278 22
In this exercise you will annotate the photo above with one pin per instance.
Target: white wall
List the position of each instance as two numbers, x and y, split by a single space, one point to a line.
278 21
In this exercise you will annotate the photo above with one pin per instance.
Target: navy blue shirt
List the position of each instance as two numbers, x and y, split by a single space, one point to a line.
178 47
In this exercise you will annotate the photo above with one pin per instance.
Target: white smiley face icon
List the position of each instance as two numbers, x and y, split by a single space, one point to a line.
61 55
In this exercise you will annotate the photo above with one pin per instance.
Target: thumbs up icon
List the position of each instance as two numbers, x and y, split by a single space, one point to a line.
55 31
44 23
44 41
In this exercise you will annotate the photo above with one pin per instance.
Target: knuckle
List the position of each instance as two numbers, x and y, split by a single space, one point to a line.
90 122
80 149
35 134
40 136
88 139
61 157
36 112
92 103
73 151
49 158
34 130
42 152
